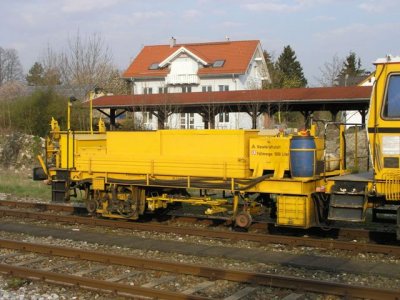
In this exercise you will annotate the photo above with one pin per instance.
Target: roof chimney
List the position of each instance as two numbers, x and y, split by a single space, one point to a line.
172 42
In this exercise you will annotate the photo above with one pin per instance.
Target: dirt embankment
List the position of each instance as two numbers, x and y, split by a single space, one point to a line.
18 152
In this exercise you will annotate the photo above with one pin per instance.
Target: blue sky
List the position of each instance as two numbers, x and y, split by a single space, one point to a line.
315 29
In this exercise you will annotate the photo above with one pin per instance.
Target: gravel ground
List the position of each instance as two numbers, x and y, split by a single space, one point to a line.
11 288
280 248
35 288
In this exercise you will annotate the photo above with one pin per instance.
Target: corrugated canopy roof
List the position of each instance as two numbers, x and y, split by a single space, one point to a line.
316 96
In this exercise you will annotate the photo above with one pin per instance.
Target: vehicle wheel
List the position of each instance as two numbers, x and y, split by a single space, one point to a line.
243 219
91 206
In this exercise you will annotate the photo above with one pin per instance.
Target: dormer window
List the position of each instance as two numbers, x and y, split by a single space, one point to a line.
218 63
154 66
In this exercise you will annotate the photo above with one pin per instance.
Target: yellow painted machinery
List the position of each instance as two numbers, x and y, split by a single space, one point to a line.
126 174
352 194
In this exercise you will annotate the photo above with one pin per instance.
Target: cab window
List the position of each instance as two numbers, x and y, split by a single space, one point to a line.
391 109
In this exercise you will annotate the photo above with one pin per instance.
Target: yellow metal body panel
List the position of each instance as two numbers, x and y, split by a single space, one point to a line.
184 155
98 184
272 153
384 134
389 185
319 147
286 186
202 153
269 153
295 211
72 145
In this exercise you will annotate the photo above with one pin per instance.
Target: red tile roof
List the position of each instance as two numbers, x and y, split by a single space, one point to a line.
319 96
237 56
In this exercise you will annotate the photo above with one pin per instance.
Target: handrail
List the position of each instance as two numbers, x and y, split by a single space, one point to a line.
342 144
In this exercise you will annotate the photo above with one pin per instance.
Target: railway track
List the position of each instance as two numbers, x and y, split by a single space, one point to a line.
25 260
263 239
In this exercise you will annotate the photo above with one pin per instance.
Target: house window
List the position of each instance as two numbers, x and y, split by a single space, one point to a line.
147 90
218 63
187 121
186 89
162 90
153 66
222 88
223 117
206 88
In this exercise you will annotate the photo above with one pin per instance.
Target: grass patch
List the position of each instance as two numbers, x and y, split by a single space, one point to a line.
23 186
15 283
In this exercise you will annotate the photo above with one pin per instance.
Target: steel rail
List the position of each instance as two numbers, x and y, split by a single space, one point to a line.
280 281
349 233
234 236
42 206
104 285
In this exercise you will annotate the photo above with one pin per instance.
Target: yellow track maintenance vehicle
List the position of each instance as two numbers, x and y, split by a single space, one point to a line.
126 174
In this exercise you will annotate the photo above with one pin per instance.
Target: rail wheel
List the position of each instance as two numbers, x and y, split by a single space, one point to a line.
91 206
243 219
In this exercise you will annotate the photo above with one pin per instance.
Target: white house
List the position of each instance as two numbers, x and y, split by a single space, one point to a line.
354 116
198 67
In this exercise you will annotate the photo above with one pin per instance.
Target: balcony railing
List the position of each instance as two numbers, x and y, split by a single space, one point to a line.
182 79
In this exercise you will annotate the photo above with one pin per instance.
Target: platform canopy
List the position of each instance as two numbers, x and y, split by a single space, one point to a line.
253 102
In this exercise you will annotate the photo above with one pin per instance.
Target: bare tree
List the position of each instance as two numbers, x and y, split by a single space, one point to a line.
330 71
10 85
9 92
115 84
10 66
12 90
51 62
86 63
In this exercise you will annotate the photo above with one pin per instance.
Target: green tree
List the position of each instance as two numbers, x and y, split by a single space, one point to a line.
286 72
352 65
289 70
351 72
38 75
35 75
32 114
273 72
